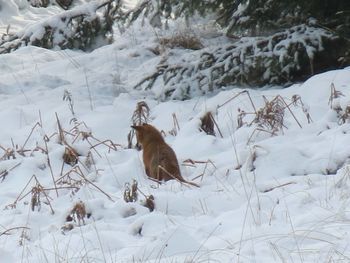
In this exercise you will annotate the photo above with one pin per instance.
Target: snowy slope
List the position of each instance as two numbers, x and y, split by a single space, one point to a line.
262 198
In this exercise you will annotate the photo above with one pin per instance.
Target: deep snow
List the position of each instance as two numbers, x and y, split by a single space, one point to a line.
263 198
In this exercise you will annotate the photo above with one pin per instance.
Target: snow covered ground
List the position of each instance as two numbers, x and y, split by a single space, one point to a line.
262 198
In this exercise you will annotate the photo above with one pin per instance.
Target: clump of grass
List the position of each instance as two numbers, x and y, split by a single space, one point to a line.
131 195
130 192
335 94
149 202
78 213
141 113
71 179
208 124
270 117
36 192
140 116
70 156
343 114
35 200
186 40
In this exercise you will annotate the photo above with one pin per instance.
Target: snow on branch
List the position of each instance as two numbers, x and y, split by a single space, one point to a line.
285 57
79 28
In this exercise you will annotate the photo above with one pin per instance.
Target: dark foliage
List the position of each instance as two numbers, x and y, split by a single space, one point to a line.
77 28
65 4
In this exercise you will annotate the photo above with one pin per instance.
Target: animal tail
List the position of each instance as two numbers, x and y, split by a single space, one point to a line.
178 178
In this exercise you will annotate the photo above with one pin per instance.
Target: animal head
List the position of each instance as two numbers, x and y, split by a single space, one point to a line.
146 133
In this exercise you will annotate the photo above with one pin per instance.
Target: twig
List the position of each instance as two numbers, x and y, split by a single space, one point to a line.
240 93
217 126
4 173
88 89
60 130
46 196
277 186
13 228
30 134
50 167
291 112
18 197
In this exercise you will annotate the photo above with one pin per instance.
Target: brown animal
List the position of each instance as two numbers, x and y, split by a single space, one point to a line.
159 159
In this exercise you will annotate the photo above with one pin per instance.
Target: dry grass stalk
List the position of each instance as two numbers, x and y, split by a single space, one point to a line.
24 237
277 186
257 130
108 143
67 96
296 101
68 179
6 232
237 95
87 135
38 124
10 153
76 131
193 164
62 139
5 172
89 161
50 167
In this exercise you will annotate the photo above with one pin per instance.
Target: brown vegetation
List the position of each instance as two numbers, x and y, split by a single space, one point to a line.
184 40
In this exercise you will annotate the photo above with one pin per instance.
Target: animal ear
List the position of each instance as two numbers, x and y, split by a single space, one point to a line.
136 127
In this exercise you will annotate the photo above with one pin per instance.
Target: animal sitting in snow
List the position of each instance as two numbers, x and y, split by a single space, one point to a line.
158 157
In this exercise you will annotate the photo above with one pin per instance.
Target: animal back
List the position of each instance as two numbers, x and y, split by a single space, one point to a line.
162 163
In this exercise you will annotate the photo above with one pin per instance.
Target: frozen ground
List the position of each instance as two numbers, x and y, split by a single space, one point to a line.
262 198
